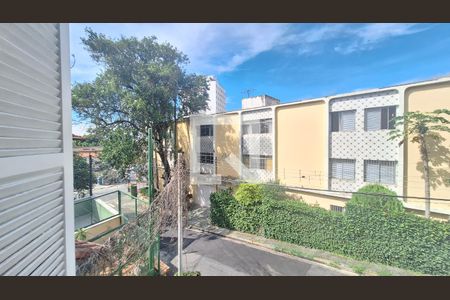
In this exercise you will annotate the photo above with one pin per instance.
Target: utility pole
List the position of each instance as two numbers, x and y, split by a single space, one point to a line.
150 165
180 217
175 131
90 174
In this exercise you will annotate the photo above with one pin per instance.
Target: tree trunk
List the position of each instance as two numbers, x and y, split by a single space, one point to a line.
165 161
426 173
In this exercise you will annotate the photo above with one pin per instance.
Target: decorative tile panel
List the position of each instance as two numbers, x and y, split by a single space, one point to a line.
362 145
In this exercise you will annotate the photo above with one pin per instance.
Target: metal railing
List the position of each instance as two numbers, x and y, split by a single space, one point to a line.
93 210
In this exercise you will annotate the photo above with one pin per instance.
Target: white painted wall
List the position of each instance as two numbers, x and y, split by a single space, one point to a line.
216 97
36 180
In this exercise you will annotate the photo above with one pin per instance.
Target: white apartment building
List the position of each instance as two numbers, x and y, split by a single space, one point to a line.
259 101
216 97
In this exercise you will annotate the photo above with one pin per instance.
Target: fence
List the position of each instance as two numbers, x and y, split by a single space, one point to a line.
100 216
329 198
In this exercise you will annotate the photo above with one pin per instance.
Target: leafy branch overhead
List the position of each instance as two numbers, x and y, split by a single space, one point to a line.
413 124
141 83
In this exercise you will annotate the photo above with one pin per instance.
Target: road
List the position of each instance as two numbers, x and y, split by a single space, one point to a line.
103 189
213 255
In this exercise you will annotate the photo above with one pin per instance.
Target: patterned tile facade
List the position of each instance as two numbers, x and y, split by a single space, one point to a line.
362 145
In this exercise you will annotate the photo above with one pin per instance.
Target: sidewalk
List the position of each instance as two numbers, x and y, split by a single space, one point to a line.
199 220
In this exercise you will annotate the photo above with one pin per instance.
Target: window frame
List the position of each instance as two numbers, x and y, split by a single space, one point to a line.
392 163
209 128
207 158
265 123
386 122
341 160
337 208
336 117
260 161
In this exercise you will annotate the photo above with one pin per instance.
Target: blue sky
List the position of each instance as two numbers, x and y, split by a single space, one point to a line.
291 61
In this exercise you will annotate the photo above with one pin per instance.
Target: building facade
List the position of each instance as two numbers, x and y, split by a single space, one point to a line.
332 144
216 97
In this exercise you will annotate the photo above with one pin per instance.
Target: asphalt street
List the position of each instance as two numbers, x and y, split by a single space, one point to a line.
213 255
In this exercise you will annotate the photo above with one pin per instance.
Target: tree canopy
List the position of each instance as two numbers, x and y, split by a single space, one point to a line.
142 84
80 174
424 129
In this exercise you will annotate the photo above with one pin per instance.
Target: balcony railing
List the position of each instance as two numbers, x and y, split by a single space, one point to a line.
100 216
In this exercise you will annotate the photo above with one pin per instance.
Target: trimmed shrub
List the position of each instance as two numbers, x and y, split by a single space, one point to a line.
249 194
389 202
392 237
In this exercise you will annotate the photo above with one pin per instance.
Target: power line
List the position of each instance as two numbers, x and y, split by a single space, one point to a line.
335 191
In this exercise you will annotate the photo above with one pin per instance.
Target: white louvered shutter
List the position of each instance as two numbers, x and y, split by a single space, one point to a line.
348 170
387 172
336 169
373 119
36 197
347 121
372 171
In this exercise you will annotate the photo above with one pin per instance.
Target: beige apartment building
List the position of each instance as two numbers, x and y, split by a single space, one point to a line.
322 148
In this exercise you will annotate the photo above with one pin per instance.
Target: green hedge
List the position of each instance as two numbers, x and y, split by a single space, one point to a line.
396 238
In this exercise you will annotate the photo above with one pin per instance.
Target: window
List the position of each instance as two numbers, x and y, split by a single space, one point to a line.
343 169
257 162
379 171
266 125
206 158
379 118
255 127
343 120
336 208
206 130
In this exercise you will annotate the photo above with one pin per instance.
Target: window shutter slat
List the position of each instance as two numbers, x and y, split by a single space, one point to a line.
347 121
373 119
372 171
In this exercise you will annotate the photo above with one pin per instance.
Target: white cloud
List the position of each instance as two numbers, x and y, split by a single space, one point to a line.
349 38
217 48
211 48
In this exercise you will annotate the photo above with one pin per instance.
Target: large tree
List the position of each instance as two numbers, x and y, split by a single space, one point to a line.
423 129
142 84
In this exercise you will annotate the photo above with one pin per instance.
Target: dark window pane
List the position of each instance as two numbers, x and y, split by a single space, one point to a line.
392 115
206 130
384 118
335 121
246 160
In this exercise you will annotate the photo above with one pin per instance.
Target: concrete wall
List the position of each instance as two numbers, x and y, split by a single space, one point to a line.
301 145
184 138
319 199
227 132
102 227
426 99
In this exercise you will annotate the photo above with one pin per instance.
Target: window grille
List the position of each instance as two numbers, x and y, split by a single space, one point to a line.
336 208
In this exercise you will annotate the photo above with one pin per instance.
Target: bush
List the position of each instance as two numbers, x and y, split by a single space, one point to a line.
396 238
389 202
248 193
